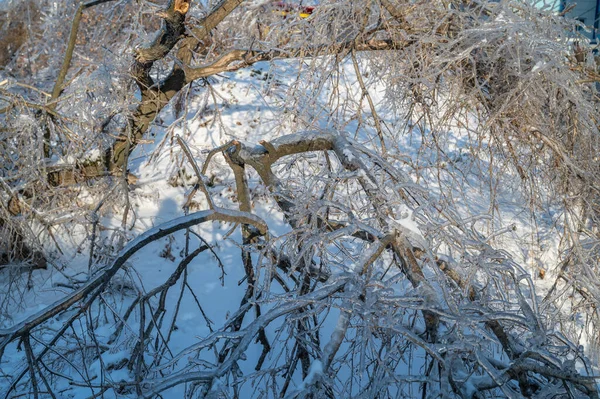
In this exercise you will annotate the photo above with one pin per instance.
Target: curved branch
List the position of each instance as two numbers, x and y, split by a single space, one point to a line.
238 59
99 282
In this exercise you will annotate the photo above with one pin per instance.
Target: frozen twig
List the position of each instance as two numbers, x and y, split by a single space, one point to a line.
201 183
103 277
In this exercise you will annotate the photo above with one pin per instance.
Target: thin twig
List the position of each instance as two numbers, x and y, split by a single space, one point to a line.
366 94
31 362
201 184
215 151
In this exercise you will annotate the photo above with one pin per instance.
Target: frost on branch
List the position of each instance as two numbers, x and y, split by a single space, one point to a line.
406 141
475 325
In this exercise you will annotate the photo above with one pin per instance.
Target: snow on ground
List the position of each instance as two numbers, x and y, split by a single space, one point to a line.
252 105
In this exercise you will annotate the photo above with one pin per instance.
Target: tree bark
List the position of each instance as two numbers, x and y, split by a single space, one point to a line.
155 96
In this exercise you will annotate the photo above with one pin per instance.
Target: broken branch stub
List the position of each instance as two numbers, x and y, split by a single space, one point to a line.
182 6
172 30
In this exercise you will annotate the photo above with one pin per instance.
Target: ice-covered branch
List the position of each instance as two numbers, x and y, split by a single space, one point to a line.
97 283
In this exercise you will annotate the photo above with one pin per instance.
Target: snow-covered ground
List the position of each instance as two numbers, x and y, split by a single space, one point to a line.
249 106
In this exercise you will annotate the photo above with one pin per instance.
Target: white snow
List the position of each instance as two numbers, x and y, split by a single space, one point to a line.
256 114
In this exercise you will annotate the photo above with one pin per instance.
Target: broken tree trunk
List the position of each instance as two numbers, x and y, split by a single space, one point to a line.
156 95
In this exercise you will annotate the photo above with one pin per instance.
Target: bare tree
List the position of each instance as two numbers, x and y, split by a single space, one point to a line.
388 284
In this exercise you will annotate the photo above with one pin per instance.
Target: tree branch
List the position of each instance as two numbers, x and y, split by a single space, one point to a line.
101 280
238 59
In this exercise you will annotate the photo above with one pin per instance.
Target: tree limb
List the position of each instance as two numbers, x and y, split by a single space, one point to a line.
101 280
